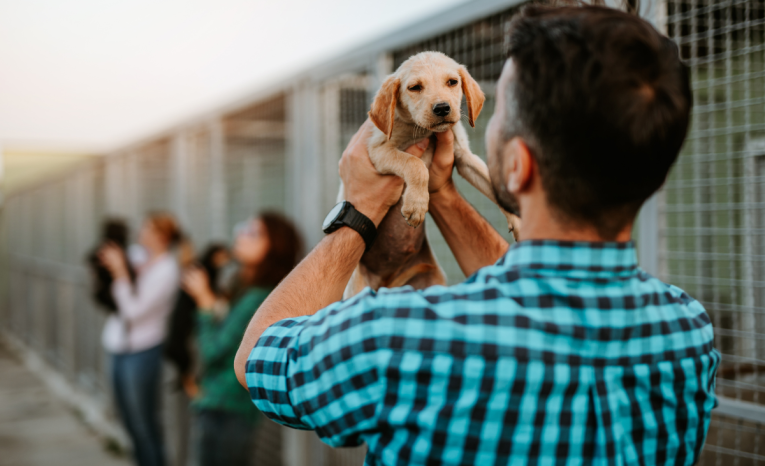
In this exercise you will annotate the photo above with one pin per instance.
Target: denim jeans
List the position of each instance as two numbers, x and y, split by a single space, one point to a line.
136 379
225 438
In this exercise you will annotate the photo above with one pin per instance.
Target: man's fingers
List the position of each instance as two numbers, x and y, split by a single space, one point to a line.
362 134
357 147
358 134
418 149
445 142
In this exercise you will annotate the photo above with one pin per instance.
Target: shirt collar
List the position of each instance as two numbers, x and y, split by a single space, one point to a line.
583 258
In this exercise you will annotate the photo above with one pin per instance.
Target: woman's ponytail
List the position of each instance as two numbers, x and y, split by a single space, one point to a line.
167 226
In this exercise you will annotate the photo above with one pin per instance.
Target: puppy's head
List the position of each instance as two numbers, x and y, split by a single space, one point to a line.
427 90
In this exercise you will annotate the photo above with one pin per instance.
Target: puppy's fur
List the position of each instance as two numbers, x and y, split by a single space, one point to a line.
403 112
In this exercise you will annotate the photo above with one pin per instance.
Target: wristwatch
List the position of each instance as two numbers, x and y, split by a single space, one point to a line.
345 215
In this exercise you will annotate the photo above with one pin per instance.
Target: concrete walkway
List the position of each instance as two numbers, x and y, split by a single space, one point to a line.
36 429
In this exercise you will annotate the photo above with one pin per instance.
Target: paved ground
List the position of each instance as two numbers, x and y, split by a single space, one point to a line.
36 429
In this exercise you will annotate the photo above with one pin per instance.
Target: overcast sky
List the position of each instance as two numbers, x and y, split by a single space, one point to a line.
90 75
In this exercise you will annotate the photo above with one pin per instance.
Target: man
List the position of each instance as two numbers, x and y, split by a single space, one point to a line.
561 351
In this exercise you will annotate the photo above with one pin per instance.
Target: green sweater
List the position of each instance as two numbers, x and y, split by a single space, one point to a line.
218 342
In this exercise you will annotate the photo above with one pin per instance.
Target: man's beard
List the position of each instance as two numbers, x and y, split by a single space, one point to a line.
505 200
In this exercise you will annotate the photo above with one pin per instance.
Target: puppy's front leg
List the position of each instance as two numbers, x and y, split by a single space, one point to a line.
388 160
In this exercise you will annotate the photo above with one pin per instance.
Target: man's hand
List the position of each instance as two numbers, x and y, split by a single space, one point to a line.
440 175
371 193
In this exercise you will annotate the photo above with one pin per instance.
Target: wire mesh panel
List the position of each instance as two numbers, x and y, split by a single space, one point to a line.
154 177
345 103
713 235
734 441
255 160
193 185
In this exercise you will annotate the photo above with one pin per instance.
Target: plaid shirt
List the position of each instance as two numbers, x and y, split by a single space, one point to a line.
559 353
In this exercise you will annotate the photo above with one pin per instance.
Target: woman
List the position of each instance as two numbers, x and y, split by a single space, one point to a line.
134 334
179 343
266 248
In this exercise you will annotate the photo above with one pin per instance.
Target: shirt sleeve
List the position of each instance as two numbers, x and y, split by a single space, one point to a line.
135 304
323 372
218 340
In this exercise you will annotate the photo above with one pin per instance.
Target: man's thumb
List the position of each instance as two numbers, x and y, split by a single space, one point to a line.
445 140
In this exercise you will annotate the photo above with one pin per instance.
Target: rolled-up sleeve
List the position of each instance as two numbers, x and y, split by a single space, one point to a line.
267 373
322 372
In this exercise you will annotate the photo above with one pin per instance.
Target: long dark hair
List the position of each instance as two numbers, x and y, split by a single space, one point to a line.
284 250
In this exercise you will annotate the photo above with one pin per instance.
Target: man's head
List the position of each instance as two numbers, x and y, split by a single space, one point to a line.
599 103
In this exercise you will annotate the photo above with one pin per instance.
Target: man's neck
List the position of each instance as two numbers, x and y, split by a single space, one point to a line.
539 222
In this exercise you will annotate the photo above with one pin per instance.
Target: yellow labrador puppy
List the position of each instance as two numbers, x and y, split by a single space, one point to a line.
422 97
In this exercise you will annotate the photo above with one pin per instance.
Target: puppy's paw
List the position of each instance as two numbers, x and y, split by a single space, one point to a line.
414 208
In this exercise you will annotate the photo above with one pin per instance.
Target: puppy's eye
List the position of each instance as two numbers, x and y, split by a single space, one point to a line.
452 82
416 88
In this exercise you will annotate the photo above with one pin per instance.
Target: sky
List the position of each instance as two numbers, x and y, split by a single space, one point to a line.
93 75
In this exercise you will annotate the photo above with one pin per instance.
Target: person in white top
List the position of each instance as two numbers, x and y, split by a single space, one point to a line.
135 333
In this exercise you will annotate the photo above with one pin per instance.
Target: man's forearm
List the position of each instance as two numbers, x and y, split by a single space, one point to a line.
318 281
474 242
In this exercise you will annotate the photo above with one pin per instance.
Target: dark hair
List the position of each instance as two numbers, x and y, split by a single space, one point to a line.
603 102
116 231
207 262
284 251
113 230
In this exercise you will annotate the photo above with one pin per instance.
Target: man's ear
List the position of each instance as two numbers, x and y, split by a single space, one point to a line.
518 165
383 111
473 95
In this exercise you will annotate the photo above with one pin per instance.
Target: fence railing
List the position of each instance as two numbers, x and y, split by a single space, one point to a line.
279 150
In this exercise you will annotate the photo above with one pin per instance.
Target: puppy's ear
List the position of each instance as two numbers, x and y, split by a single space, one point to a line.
473 95
384 106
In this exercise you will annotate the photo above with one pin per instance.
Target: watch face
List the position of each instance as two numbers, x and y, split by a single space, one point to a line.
332 215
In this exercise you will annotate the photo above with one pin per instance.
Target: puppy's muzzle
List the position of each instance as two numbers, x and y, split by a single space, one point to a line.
442 109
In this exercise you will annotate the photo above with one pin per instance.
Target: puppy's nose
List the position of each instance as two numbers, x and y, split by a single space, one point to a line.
442 109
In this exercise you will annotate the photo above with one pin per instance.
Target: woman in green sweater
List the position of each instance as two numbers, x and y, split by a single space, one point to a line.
266 248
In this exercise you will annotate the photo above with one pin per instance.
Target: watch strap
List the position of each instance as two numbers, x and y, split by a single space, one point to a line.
354 219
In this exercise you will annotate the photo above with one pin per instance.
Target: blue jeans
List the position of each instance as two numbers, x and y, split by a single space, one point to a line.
225 438
136 379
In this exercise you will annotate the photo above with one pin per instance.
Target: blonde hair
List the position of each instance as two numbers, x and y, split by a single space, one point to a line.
167 226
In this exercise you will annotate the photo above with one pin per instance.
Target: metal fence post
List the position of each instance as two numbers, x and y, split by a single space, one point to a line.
304 159
179 154
648 235
648 219
218 219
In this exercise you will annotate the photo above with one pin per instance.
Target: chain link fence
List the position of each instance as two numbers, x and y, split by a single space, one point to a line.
712 235
279 150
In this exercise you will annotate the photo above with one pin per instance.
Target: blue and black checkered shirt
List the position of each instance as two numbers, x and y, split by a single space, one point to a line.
561 352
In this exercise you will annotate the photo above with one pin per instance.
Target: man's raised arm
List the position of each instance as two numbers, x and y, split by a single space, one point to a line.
474 242
319 280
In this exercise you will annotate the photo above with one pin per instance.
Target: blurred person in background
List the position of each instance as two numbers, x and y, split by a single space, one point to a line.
135 333
266 249
113 232
179 344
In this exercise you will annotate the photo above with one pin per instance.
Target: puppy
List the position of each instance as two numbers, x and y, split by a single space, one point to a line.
422 97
